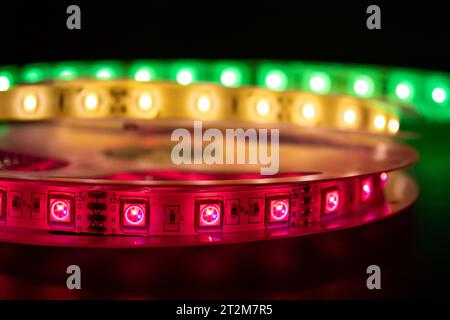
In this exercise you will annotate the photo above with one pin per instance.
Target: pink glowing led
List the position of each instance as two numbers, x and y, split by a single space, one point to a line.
60 211
366 189
134 216
2 201
210 215
331 201
383 178
279 210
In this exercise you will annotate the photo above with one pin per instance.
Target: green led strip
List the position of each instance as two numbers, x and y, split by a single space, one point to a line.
427 92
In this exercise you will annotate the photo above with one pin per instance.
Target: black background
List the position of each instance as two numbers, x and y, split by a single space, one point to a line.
414 34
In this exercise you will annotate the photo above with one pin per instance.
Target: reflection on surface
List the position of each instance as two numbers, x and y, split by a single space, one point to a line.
330 265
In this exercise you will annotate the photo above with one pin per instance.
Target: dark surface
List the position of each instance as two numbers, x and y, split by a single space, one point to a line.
326 266
432 211
412 249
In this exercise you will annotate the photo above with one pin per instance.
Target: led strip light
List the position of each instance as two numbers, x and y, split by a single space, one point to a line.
173 207
129 99
285 208
208 208
427 92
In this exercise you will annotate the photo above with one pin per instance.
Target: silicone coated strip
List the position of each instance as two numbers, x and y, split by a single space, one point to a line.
129 99
106 209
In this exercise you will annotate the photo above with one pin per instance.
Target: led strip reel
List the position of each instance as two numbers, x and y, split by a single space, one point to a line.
105 190
427 92
127 203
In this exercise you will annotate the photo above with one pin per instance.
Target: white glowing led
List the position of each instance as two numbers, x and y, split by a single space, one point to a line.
379 122
361 87
145 102
185 77
403 91
393 125
439 95
317 83
309 111
263 107
143 75
204 104
228 78
91 102
349 116
4 83
30 103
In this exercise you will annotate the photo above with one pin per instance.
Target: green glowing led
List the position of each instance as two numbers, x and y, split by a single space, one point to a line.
434 103
230 77
439 95
185 75
319 78
146 70
67 74
6 80
362 81
230 73
186 72
402 86
319 82
107 70
363 86
33 74
403 90
276 80
144 74
67 71
104 73
437 89
274 76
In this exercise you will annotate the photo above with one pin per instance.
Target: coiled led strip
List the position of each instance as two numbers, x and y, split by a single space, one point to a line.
201 207
206 211
94 99
425 91
191 207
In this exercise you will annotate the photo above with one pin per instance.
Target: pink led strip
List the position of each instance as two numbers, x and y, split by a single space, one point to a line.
106 209
51 194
